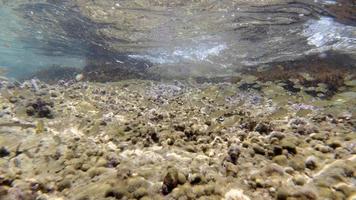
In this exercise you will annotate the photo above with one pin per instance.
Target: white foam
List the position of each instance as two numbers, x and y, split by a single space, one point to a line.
200 52
326 33
329 2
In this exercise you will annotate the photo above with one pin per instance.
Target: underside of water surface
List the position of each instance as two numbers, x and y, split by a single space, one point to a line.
177 99
169 38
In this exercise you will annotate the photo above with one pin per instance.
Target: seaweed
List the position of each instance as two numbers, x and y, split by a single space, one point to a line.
344 11
330 69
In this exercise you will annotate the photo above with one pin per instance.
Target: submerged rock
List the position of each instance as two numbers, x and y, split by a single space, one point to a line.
78 158
170 181
40 109
311 162
233 154
236 194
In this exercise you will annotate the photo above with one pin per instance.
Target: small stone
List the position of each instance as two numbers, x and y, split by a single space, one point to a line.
297 163
124 173
140 192
289 146
30 111
259 183
85 167
190 148
299 180
236 194
13 100
40 109
305 193
258 149
209 189
79 77
318 136
117 193
103 123
64 184
170 141
245 144
282 194
136 183
263 128
289 170
323 148
341 153
101 162
233 154
170 181
311 162
96 171
82 196
277 134
220 119
53 94
344 188
181 178
231 169
281 160
3 191
277 150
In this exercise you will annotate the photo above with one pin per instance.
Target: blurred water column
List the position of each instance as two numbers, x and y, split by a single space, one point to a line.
21 46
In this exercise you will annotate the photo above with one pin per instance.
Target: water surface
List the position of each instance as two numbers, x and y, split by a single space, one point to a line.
171 38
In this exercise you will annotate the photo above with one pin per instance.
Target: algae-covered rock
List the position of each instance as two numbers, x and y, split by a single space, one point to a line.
170 180
290 145
233 154
281 160
40 109
311 162
147 130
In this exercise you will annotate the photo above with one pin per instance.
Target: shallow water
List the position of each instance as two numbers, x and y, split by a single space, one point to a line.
177 99
23 47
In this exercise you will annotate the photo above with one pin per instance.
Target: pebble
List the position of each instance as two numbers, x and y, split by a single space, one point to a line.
79 77
281 160
170 181
299 180
13 100
233 154
311 162
258 149
289 146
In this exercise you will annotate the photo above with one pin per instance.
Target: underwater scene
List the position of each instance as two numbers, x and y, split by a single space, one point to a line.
177 99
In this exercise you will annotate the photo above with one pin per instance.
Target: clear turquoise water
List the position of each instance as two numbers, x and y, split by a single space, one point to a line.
22 47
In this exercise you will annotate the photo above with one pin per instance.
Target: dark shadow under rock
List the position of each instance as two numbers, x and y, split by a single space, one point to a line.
109 71
55 73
